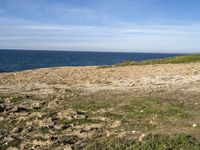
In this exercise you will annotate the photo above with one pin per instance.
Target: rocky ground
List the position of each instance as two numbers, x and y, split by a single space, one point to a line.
80 107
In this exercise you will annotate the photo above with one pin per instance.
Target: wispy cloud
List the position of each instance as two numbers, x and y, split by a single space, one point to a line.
127 38
121 30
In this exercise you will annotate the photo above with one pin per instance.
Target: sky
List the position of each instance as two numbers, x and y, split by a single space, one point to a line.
167 26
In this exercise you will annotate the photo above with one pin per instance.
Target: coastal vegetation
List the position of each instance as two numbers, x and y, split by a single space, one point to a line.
170 60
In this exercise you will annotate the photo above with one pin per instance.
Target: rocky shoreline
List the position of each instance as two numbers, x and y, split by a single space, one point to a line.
71 107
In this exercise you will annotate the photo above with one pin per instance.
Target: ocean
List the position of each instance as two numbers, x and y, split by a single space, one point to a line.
18 60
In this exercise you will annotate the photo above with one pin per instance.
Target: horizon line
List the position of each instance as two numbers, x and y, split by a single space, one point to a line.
97 51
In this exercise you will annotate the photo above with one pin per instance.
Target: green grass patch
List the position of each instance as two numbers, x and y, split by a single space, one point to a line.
148 113
184 116
141 106
139 125
170 60
174 111
151 142
92 105
17 99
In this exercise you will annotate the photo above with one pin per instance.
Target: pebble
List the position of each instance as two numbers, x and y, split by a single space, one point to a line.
2 118
194 125
141 137
133 131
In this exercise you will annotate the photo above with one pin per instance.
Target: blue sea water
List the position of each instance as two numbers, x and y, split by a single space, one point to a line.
17 60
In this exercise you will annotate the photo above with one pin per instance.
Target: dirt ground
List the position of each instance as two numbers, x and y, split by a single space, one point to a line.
71 107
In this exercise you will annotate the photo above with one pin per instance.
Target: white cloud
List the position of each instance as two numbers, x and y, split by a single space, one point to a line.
149 38
106 31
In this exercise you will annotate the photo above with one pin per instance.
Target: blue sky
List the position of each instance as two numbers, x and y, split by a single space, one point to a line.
101 25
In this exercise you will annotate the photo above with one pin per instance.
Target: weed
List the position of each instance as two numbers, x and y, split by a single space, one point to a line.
183 116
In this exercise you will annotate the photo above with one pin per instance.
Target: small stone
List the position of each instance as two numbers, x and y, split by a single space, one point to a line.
152 122
2 118
116 124
37 105
108 133
29 123
194 125
133 131
142 137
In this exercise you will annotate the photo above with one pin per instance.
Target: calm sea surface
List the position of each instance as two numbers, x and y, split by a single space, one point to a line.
17 60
